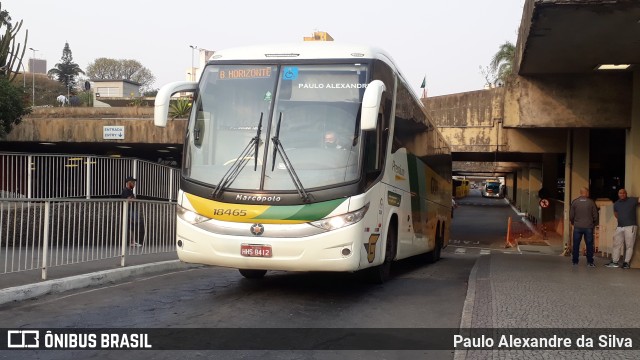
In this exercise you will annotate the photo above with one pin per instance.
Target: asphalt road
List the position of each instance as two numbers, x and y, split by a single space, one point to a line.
419 295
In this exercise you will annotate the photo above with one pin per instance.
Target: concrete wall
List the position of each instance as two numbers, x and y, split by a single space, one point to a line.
90 130
469 109
475 122
470 122
595 101
91 113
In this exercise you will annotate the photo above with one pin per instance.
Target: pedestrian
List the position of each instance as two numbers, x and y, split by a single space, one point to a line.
624 236
136 225
583 215
127 191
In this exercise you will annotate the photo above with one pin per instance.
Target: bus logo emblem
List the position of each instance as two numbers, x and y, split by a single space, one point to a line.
257 229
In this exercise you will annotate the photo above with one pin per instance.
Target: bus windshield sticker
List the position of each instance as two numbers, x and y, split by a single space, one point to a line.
290 73
267 96
245 73
331 86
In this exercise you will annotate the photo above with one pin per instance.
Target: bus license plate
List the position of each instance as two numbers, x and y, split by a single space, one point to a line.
255 250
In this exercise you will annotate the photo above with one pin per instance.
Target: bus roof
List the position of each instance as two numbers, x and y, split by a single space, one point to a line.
304 51
301 50
307 50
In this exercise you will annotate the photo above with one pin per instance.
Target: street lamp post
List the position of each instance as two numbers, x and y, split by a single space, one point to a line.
33 78
193 47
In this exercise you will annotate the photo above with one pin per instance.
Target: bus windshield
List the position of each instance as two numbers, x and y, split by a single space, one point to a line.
311 110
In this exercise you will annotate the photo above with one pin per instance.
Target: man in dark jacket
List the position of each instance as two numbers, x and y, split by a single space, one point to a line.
127 191
136 224
583 215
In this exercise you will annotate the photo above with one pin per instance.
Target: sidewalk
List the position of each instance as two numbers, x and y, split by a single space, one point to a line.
23 285
515 291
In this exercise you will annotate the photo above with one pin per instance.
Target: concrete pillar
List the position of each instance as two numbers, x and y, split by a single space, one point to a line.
509 182
576 171
580 161
632 161
526 206
535 183
566 228
519 189
550 183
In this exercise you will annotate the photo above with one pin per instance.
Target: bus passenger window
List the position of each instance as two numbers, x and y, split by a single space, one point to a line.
372 150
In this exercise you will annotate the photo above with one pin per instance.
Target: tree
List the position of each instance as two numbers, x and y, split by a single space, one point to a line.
113 69
11 52
502 62
151 93
66 71
14 104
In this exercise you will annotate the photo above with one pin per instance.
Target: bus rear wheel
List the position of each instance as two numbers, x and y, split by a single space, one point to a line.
434 255
252 274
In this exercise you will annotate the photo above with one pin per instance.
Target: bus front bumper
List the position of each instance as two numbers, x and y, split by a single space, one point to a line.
337 250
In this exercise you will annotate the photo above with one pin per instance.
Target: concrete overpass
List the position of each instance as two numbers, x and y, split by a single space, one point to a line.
561 116
82 130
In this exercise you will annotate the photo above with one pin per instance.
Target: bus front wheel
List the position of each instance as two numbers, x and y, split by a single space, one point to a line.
252 274
381 273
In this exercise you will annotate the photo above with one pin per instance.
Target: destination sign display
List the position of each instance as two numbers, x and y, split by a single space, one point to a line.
245 73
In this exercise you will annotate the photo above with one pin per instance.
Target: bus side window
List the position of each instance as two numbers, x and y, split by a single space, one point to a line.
372 149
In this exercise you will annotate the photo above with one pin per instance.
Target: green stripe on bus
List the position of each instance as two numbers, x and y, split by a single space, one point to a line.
310 212
317 211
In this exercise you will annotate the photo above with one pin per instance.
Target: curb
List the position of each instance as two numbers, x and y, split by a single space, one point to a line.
467 309
25 292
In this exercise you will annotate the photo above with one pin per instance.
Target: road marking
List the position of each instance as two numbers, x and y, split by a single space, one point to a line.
461 250
485 252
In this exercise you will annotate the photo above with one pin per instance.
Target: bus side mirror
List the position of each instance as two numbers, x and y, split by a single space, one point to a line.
371 104
163 99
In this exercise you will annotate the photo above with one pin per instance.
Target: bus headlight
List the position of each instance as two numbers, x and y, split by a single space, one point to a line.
336 222
190 216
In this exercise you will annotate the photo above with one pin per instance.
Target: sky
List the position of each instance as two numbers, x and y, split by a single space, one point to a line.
446 41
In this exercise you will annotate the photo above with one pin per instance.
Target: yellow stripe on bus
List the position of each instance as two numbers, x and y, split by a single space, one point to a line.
235 212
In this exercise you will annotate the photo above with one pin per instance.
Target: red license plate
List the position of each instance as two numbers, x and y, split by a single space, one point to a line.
255 250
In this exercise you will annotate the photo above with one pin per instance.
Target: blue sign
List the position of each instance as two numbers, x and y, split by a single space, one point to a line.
290 73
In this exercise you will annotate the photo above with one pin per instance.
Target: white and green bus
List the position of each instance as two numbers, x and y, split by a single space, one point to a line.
308 157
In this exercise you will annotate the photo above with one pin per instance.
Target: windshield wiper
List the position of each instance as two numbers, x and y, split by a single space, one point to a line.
240 162
280 150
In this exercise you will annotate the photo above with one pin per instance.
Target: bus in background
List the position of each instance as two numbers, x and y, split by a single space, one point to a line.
308 157
460 188
492 188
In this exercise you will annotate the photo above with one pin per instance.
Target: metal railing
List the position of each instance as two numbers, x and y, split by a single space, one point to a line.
43 233
39 176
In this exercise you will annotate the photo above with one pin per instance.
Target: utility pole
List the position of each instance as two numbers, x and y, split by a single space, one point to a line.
33 78
193 75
